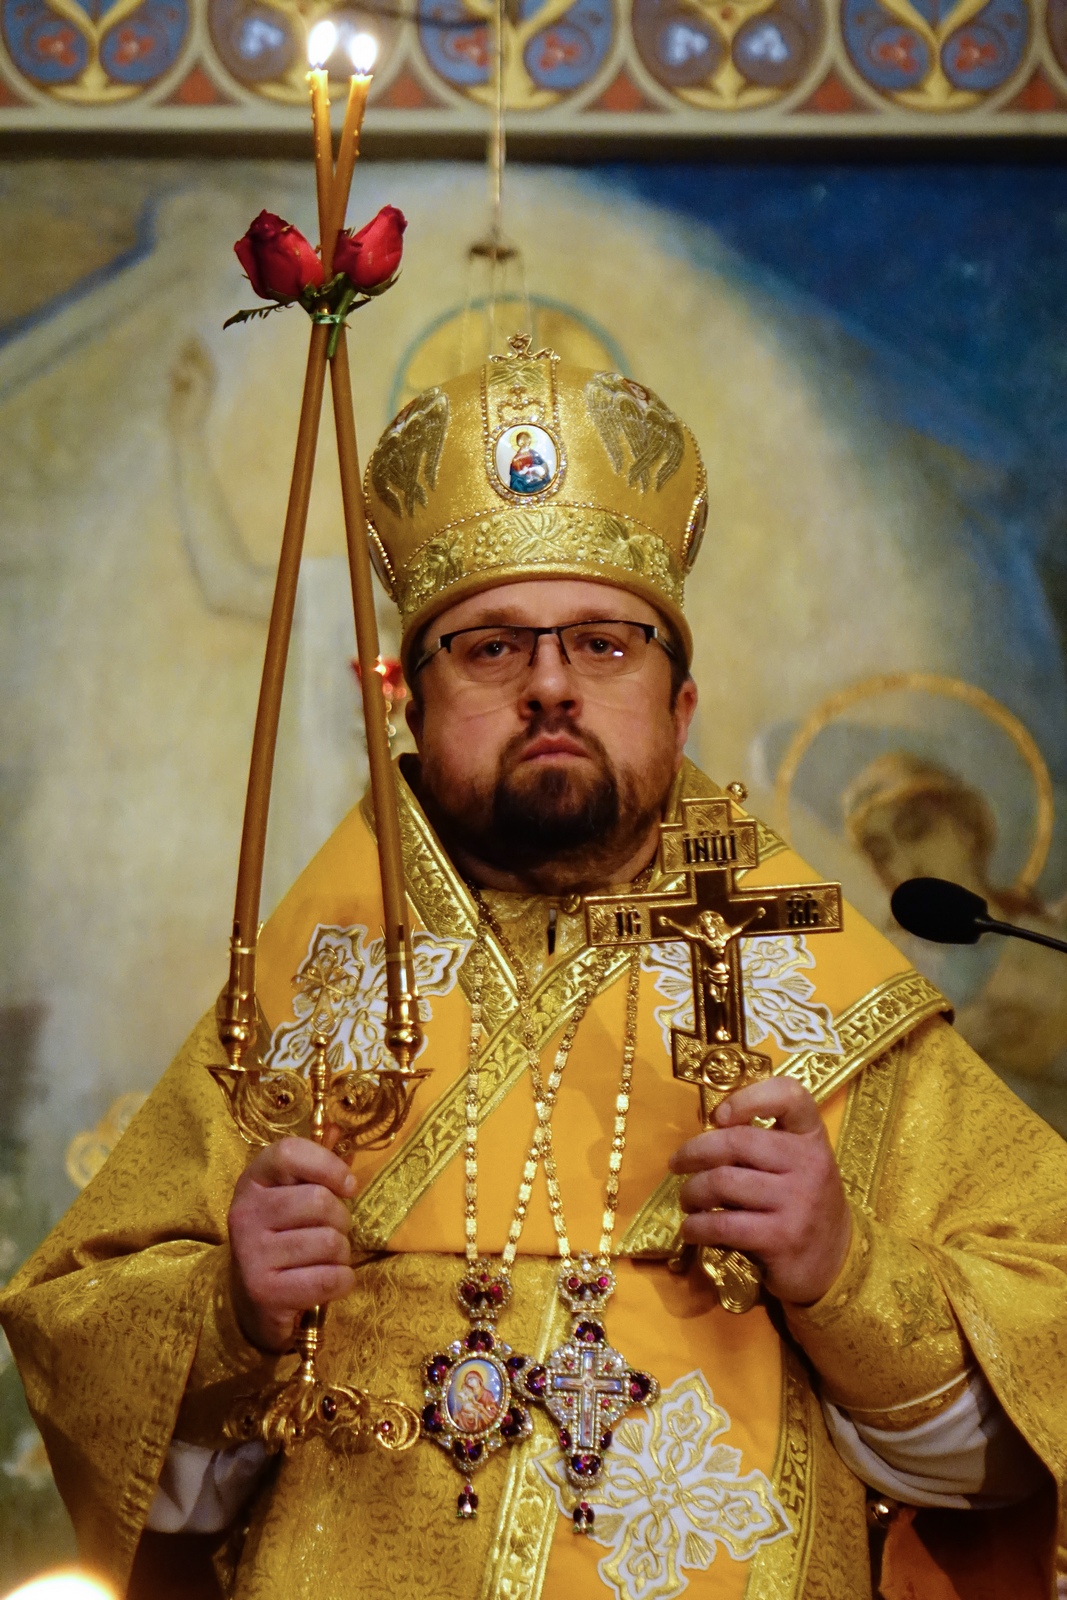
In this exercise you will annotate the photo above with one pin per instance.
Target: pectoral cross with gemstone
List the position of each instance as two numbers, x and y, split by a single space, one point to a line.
710 845
590 1397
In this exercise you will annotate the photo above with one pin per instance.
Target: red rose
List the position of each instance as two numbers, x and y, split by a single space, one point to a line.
371 257
278 259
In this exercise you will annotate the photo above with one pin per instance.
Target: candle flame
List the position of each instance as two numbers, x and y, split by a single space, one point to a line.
62 1586
322 41
363 49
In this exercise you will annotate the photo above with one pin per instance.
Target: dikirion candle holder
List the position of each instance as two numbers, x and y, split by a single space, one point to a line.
348 271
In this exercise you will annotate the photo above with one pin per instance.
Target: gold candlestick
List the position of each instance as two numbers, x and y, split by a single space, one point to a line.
368 1108
237 1015
403 1028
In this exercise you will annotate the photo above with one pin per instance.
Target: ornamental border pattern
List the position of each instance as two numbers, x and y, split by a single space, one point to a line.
835 69
528 1516
554 535
441 900
867 1029
776 1571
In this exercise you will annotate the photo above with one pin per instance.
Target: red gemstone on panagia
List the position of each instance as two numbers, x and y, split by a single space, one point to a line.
466 1501
496 1293
589 1333
479 1339
585 1466
574 1284
605 1440
437 1369
535 1381
583 1517
640 1386
564 1439
513 1423
603 1282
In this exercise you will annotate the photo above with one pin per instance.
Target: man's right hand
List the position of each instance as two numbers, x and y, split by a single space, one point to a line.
289 1238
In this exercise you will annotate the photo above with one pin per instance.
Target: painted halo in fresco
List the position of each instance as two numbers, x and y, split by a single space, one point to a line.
92 53
727 55
1056 23
476 1395
553 49
933 57
525 459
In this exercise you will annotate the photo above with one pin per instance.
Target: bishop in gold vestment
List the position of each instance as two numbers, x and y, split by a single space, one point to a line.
751 1472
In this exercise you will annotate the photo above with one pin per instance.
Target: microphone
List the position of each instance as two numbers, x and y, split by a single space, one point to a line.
947 913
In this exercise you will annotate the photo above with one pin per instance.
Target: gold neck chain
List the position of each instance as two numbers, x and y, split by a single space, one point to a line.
585 1385
541 1147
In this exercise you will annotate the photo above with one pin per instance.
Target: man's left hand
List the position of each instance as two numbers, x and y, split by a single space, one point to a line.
775 1193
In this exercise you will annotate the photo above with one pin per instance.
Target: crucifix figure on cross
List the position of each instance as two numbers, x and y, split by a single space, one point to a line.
710 845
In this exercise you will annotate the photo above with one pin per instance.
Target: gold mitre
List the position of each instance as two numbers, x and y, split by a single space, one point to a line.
528 467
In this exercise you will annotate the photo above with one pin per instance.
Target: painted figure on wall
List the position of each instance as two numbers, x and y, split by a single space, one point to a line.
911 818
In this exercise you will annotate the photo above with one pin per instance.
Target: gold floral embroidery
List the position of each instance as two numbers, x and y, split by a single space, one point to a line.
671 1493
626 414
865 1030
405 463
527 1520
922 1307
553 535
87 1151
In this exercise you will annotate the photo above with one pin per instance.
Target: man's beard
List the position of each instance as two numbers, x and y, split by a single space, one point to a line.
567 823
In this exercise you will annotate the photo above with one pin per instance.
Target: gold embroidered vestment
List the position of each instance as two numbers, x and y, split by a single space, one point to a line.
727 1489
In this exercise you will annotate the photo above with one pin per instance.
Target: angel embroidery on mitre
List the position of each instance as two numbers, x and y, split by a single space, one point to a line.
627 414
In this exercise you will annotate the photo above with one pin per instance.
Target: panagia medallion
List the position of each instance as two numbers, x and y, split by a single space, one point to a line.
477 1390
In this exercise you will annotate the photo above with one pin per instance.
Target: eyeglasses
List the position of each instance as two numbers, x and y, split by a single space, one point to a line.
501 654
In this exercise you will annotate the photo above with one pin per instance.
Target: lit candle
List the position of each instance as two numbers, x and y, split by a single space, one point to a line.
321 42
363 49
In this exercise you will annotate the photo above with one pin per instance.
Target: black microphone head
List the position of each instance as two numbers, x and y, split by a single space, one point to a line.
935 909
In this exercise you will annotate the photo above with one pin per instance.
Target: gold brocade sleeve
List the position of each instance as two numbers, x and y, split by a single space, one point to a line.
980 1184
884 1337
125 1307
965 1230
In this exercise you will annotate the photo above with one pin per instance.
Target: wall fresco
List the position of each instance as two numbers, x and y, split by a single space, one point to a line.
640 68
873 361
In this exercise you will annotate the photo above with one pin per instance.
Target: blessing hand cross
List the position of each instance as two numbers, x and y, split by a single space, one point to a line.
708 847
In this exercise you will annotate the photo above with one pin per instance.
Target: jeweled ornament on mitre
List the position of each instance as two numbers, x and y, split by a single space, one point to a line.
530 467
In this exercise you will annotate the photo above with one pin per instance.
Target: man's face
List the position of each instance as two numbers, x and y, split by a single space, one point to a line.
555 777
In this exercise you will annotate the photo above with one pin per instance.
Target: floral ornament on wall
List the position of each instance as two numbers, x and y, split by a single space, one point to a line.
777 992
672 1496
356 964
282 266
